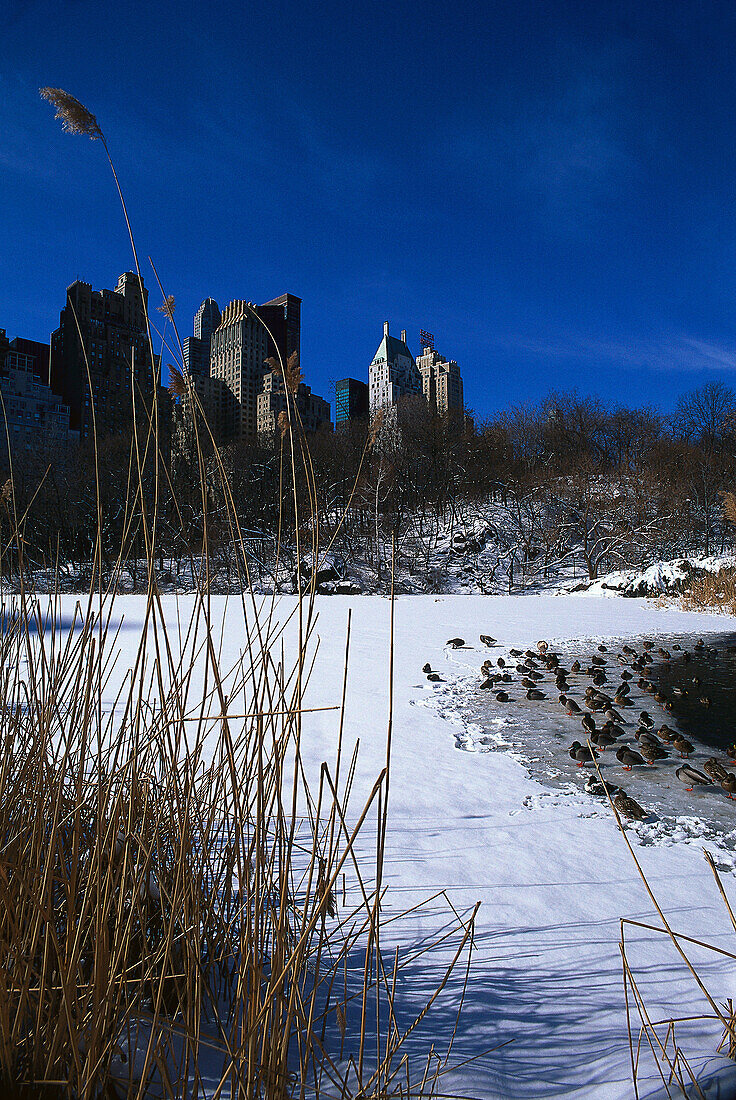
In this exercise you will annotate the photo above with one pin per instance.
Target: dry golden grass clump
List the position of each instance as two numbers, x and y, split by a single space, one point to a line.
174 911
713 590
167 879
173 903
729 507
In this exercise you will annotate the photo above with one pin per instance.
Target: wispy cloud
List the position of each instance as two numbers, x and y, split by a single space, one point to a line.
571 152
561 146
667 353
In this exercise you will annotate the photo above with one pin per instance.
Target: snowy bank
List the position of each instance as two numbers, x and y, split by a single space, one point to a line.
661 578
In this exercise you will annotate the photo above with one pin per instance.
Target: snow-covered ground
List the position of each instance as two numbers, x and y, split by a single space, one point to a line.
549 866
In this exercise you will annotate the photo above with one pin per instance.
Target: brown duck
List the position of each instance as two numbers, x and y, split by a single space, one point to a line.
629 807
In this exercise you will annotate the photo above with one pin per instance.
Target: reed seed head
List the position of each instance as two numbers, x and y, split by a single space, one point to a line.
292 374
74 116
177 382
168 306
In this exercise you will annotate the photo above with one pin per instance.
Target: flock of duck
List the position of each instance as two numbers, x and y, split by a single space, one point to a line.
601 708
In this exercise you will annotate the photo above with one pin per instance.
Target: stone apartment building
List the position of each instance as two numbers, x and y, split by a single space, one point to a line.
107 330
238 356
314 411
33 415
442 384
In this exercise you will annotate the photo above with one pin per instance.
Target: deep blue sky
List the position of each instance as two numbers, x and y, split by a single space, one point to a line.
549 187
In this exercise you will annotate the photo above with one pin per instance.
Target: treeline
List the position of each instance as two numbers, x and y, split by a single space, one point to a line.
533 490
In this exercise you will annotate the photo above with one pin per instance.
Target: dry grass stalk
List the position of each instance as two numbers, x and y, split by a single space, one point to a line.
177 382
293 374
728 1039
676 1062
290 371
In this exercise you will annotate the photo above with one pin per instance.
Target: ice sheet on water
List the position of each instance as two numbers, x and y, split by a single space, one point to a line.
539 734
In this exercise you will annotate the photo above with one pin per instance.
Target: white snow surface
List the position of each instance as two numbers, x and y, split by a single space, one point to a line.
549 867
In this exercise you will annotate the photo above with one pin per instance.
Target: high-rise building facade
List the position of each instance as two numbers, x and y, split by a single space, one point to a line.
393 373
40 353
207 319
283 315
314 411
351 401
105 329
196 348
238 356
441 382
201 398
31 413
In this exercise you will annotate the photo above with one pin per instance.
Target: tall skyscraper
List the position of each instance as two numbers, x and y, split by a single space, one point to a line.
196 357
238 353
393 373
197 348
351 401
283 315
441 382
207 319
109 328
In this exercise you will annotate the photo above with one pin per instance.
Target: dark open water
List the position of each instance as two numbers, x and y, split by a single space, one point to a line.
710 672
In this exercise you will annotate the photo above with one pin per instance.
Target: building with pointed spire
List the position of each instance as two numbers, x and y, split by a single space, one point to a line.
393 373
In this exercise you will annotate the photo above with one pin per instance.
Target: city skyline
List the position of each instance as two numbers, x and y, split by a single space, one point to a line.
114 321
559 214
